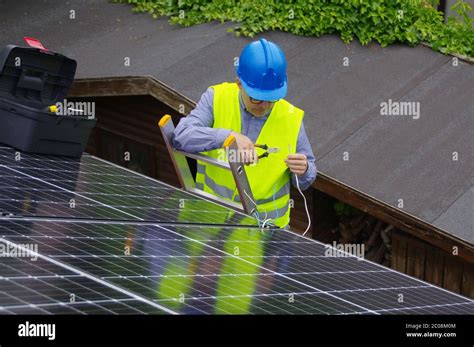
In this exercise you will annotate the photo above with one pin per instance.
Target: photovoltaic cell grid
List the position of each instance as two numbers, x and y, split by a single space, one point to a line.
90 188
138 267
207 269
36 286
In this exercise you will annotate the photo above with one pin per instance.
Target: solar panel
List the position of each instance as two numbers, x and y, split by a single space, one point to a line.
37 286
120 242
90 188
197 269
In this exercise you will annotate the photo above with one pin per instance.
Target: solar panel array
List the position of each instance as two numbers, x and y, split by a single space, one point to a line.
92 237
46 186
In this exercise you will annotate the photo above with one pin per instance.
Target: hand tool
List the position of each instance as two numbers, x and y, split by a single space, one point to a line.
267 149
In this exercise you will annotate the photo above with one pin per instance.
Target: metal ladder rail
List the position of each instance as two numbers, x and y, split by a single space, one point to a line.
185 176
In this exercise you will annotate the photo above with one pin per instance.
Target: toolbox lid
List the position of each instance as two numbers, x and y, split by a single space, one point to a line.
35 77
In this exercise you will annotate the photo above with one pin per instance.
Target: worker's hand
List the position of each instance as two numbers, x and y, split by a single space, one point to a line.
247 153
297 163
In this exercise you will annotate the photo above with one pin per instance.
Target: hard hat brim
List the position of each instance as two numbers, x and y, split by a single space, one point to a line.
265 95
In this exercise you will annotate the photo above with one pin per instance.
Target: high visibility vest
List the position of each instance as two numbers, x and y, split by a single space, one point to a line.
270 178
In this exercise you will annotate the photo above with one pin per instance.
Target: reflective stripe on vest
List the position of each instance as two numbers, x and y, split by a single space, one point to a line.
232 195
270 178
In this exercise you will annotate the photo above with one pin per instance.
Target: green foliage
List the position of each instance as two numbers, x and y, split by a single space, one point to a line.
383 21
343 209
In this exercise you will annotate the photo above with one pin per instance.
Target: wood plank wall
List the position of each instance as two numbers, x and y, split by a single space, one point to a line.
426 262
128 124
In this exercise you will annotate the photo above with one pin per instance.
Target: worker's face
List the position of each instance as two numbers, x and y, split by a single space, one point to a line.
255 107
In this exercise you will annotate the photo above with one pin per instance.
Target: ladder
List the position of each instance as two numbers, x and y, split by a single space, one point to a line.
186 178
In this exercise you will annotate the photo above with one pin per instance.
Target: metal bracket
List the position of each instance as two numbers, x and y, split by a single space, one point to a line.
178 158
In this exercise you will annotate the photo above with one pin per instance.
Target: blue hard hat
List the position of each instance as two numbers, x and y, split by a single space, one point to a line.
262 71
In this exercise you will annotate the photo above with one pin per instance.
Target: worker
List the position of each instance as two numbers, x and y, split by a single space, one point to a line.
253 111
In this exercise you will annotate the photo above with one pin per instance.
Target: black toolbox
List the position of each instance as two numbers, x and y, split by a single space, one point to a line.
31 81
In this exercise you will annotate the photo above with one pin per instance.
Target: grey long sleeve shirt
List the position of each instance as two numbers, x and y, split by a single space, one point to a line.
195 133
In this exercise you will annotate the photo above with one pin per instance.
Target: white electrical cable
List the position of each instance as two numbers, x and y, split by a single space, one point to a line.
305 205
304 198
257 216
266 220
